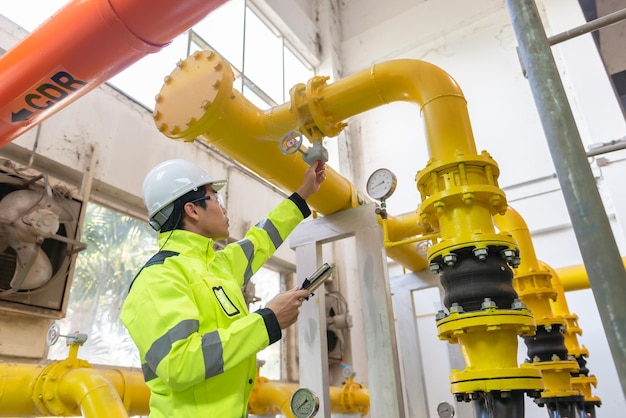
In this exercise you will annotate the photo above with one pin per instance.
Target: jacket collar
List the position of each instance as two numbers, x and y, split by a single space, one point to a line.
188 243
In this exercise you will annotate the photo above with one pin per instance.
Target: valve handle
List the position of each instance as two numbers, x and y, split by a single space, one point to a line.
53 334
291 142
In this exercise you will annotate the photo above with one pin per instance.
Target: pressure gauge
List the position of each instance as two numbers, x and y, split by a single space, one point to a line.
381 184
304 403
445 410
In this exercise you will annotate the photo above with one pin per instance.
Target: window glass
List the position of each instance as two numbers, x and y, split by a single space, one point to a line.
117 246
263 57
250 94
295 72
222 29
143 80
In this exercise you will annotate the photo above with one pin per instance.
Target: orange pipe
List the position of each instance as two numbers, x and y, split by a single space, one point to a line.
81 46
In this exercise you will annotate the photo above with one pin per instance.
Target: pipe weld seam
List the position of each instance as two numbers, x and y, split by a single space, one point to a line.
460 96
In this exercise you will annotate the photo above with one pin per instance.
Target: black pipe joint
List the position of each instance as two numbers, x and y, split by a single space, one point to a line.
548 344
470 279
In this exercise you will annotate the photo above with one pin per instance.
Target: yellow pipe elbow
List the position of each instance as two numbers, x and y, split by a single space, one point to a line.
131 387
441 101
91 393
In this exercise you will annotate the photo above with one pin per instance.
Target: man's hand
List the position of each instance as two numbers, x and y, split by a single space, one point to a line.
313 178
286 306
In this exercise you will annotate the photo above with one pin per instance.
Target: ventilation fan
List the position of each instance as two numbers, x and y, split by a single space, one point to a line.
338 322
38 226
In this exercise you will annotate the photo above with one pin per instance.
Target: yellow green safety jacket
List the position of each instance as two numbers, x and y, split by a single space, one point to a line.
186 313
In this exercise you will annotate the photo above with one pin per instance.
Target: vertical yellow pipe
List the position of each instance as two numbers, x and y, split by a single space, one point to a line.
583 382
534 287
532 283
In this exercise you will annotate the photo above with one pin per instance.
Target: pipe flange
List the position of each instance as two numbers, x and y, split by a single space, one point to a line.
193 96
524 378
494 320
45 391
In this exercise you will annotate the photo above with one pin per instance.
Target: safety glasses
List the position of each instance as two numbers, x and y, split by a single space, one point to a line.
216 197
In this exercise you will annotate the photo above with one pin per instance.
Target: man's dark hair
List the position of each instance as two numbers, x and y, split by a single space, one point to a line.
175 221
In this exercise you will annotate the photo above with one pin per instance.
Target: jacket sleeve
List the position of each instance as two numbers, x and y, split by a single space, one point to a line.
163 320
247 255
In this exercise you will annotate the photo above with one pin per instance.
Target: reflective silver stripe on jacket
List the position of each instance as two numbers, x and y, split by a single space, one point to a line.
212 350
248 248
271 230
163 345
148 373
213 353
248 251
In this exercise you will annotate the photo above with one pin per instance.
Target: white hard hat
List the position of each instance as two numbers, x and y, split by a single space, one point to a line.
167 182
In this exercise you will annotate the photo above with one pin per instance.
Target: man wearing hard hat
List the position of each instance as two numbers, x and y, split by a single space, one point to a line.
185 310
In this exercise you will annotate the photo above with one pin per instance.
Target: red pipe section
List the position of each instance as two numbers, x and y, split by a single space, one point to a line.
80 47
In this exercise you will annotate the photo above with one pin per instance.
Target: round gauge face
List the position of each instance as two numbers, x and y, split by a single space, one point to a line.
304 403
381 184
445 410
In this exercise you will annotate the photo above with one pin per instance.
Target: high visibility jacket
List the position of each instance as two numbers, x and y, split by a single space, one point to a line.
187 315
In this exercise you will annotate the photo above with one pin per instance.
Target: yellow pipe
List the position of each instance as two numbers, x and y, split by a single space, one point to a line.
269 397
91 393
402 226
575 277
582 383
70 387
198 100
533 284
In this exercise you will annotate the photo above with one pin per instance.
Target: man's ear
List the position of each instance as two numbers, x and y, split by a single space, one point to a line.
190 211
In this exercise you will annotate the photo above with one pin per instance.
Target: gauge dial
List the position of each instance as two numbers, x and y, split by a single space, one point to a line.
381 184
445 410
304 403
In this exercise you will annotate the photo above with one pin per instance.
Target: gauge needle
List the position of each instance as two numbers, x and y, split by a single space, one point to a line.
303 403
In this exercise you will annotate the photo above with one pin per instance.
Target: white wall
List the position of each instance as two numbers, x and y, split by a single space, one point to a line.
474 42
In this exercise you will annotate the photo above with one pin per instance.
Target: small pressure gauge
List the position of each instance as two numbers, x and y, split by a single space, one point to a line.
445 410
381 184
304 403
